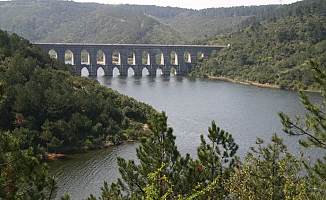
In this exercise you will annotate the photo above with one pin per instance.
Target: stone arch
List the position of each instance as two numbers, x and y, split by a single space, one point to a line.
159 71
116 58
131 58
146 58
187 57
69 57
100 71
85 59
174 58
200 55
115 72
84 71
131 71
145 71
173 71
159 58
53 54
100 57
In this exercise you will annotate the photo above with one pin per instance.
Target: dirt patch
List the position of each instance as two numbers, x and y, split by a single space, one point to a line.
52 156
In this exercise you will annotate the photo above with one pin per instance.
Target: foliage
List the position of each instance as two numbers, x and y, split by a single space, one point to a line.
313 127
199 25
68 21
217 159
62 110
268 172
162 173
21 175
275 51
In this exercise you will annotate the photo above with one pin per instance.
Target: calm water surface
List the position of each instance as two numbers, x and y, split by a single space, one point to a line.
191 104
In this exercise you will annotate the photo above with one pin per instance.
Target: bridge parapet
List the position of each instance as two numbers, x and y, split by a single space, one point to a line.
125 56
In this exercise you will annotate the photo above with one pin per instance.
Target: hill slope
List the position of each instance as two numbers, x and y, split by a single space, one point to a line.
275 50
46 104
66 21
199 24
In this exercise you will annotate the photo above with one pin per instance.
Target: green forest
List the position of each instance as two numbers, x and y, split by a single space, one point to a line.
274 50
68 21
46 108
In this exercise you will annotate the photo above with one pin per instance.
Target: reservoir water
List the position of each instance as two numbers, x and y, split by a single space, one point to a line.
247 112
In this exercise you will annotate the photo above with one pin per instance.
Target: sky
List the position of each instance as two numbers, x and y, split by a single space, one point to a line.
195 4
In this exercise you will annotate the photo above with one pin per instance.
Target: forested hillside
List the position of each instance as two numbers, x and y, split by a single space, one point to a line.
275 50
49 106
196 25
67 21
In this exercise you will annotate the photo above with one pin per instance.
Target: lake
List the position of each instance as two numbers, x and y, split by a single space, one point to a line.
245 111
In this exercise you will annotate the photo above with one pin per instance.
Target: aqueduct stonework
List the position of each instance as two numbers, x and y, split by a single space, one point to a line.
125 56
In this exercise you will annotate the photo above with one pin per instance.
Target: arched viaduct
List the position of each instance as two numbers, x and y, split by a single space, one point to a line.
125 56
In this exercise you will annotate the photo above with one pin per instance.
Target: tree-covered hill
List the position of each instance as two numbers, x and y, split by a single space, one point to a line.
46 104
199 24
275 50
67 21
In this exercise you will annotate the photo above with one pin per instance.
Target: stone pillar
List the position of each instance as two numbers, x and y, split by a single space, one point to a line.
167 63
166 70
138 70
92 64
193 57
152 71
123 64
77 58
61 56
108 70
152 59
181 64
77 62
108 57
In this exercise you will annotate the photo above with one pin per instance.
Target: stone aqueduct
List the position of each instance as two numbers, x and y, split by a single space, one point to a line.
121 62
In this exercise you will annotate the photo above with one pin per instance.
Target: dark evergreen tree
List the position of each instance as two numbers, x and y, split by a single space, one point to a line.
216 159
314 128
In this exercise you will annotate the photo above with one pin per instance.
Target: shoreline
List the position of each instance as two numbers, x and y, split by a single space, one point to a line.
266 85
222 78
69 150
75 150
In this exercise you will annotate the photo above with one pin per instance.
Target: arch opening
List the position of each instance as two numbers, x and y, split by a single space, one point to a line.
187 57
53 54
131 59
174 58
159 71
115 72
84 71
145 58
173 71
116 60
85 60
200 55
159 58
100 72
69 57
100 57
144 72
131 71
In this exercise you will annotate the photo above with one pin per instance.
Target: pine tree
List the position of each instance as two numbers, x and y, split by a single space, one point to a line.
314 128
268 172
154 150
216 160
21 176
